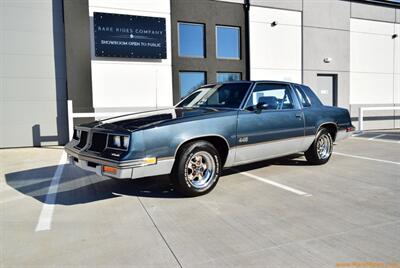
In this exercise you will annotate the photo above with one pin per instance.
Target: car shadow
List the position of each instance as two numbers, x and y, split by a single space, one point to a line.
291 160
77 186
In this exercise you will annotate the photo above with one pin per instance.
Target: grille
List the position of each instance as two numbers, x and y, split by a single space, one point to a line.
82 140
99 142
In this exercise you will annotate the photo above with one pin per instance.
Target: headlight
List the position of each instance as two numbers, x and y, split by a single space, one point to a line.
77 134
125 142
116 141
119 142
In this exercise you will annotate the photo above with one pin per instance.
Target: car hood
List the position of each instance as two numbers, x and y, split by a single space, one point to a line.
135 121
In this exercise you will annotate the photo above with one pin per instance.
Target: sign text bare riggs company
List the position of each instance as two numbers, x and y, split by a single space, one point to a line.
117 35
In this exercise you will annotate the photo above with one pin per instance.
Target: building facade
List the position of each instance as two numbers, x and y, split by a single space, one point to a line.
347 51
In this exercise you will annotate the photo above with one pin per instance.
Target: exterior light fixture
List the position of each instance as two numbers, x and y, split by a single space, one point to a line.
274 23
327 60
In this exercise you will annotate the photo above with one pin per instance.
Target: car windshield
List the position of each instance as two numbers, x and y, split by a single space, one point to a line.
220 96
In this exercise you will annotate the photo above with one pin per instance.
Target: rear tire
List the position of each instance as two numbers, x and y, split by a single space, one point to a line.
197 169
320 150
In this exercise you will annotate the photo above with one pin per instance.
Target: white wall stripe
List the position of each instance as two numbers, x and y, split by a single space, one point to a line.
46 215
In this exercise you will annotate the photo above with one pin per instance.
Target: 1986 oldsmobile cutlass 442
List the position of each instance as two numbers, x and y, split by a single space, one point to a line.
216 126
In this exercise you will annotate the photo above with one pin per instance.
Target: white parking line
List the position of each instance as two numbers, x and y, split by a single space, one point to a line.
46 215
376 137
377 140
276 184
367 158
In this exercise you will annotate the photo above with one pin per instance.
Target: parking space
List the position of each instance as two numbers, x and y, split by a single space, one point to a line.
279 213
385 136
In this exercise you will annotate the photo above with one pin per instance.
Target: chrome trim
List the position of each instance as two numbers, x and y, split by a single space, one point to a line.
326 123
324 146
89 139
125 169
271 141
104 161
246 97
200 170
201 136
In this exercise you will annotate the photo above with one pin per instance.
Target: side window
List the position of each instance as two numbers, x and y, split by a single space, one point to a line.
271 97
304 100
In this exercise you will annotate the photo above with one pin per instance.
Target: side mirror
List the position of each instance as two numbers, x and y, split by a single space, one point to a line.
261 106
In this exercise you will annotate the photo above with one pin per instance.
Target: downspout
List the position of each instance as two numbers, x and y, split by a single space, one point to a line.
247 36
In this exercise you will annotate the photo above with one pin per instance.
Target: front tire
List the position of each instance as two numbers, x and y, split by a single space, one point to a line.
320 150
197 169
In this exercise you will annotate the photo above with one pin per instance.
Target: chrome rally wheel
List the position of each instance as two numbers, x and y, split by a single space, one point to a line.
200 170
197 168
321 149
324 146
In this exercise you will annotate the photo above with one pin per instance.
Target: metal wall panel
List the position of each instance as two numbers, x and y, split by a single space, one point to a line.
32 74
275 50
288 5
373 12
373 66
332 14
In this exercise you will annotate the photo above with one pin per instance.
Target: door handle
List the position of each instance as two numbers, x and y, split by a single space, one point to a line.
299 115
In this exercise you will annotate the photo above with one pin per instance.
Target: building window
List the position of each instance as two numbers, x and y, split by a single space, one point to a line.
191 40
223 77
228 42
189 81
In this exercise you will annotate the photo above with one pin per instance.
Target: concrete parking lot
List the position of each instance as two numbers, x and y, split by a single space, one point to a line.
279 213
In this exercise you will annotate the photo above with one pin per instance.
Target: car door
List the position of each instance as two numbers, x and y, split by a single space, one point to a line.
270 125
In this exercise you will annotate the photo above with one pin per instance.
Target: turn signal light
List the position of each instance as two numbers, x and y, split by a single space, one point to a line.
350 129
108 169
150 160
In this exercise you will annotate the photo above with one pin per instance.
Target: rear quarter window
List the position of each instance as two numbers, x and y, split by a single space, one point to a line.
311 96
303 98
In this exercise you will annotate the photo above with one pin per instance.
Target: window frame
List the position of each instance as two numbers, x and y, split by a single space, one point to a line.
239 42
190 71
179 39
296 105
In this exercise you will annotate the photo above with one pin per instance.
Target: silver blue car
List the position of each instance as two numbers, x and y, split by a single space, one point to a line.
216 126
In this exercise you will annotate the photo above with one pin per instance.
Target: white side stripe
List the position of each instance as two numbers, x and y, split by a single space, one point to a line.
46 215
367 158
287 188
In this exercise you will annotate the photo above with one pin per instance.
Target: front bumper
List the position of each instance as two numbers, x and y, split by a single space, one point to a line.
131 169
